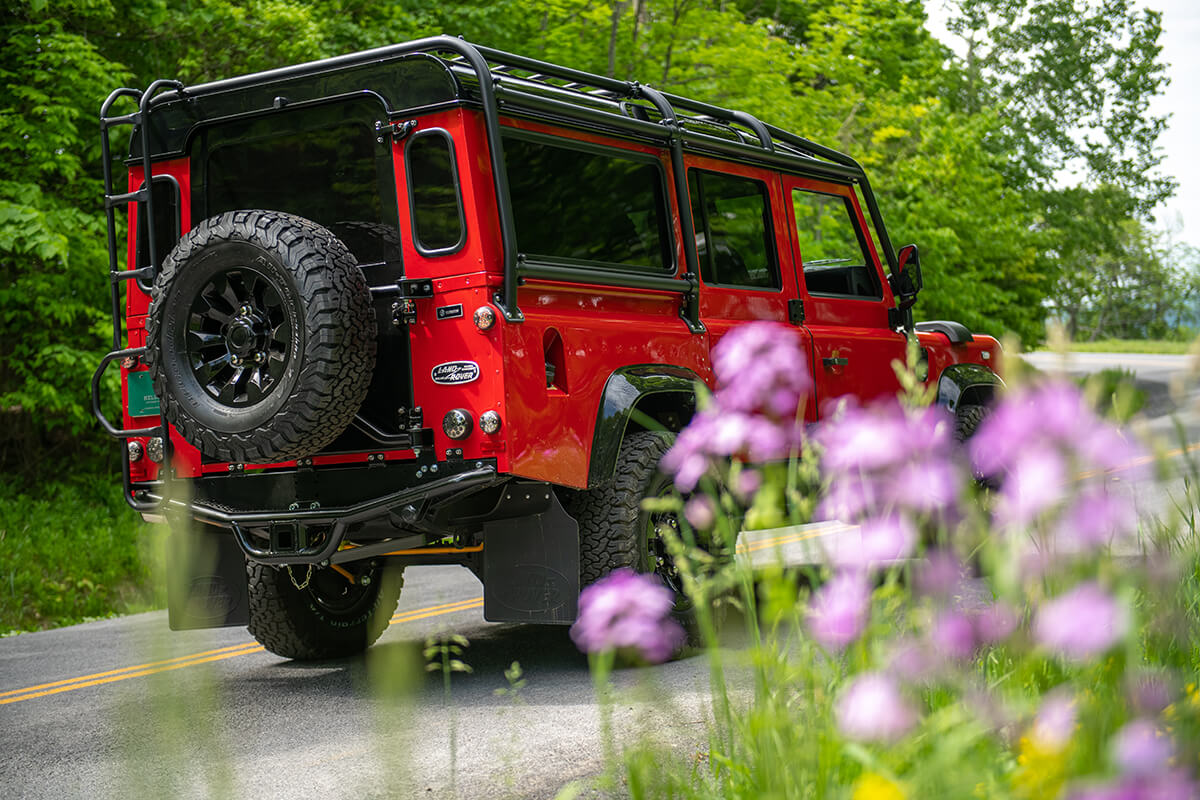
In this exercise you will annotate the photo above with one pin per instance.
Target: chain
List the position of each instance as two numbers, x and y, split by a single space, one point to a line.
308 577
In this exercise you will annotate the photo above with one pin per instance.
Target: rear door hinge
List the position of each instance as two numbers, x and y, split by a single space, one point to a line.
396 129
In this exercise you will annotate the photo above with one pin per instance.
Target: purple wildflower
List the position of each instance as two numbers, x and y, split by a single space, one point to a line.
628 611
887 461
863 439
940 574
1055 722
872 709
1169 785
763 378
838 611
761 367
700 512
1149 694
911 661
747 485
1096 517
1082 623
1140 748
881 539
995 623
952 635
1035 482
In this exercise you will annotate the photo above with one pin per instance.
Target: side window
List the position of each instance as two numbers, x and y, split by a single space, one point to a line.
832 247
166 221
433 193
734 241
580 204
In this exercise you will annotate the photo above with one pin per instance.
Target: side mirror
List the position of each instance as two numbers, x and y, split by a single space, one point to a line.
907 281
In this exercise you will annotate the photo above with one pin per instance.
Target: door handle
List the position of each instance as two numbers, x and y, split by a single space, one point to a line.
835 362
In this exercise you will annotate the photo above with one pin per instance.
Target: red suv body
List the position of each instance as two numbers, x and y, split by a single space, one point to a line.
530 268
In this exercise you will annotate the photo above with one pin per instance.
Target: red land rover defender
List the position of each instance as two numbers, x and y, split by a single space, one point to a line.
395 307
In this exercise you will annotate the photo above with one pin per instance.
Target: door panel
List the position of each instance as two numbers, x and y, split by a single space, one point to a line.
742 237
846 296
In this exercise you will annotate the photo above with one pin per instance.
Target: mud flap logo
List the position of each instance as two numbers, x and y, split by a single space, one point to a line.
453 373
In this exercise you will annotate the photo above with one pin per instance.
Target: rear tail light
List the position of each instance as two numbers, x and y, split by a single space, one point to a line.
457 424
135 450
489 422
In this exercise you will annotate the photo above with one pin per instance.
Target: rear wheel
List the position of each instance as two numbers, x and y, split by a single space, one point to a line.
615 531
308 613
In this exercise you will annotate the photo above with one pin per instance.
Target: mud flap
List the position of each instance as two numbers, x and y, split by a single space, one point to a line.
206 580
531 561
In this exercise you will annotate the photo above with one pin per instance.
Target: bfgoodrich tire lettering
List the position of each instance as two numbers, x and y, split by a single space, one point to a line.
261 337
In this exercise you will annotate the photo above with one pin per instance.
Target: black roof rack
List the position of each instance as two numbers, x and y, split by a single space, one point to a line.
428 72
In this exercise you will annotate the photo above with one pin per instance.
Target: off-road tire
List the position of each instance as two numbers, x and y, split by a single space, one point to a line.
302 624
967 420
611 520
319 292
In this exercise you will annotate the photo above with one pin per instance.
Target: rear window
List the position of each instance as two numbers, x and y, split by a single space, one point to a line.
582 204
323 163
437 215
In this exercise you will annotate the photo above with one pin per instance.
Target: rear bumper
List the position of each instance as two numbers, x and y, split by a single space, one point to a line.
301 516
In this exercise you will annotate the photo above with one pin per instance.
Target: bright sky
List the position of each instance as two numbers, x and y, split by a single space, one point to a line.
1180 144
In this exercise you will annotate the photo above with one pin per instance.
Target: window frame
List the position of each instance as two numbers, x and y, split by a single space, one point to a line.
458 194
666 227
769 233
870 258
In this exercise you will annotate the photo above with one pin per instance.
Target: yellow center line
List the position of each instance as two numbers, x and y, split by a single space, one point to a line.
791 538
220 654
81 683
128 669
433 611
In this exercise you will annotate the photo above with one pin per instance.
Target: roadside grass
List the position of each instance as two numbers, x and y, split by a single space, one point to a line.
1153 346
72 553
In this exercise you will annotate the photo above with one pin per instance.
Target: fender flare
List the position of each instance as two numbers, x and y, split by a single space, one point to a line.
625 388
966 383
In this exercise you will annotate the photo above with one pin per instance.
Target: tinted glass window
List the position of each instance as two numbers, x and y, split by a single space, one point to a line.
321 163
585 205
166 222
734 241
831 247
433 193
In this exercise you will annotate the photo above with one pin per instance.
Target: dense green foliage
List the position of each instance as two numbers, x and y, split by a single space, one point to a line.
77 554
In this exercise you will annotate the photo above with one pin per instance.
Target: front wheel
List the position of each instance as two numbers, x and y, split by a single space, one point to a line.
308 614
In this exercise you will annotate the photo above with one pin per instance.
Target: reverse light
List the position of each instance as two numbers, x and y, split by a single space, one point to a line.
485 318
135 451
489 422
156 450
457 424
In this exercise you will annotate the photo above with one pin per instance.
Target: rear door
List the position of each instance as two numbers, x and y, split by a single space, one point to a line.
743 248
846 297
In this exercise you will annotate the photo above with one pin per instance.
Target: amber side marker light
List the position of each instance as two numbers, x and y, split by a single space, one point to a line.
485 318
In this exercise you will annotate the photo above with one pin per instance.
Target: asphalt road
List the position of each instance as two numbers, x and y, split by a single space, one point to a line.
125 708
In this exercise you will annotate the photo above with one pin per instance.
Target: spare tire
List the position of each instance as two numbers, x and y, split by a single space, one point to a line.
260 337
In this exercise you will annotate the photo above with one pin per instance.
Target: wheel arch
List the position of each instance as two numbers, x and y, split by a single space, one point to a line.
638 397
962 384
